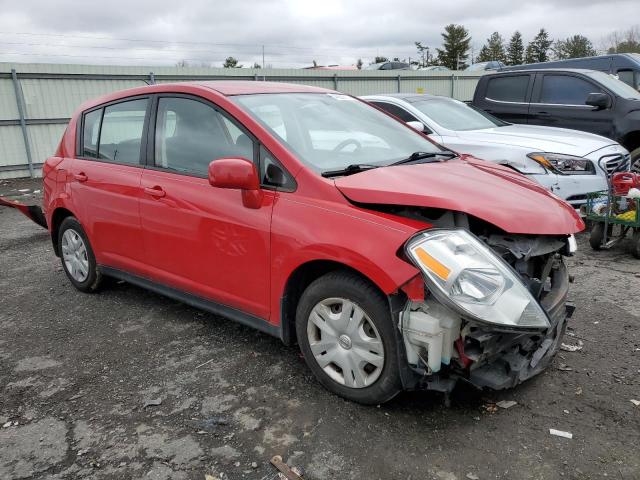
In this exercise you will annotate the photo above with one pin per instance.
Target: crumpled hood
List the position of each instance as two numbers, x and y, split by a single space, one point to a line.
540 139
493 193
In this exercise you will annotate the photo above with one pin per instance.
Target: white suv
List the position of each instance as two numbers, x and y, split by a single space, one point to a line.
564 161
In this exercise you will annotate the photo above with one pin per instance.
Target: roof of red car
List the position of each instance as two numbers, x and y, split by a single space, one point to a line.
224 87
246 87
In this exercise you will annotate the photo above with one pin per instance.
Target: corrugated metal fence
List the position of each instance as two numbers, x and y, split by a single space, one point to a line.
36 100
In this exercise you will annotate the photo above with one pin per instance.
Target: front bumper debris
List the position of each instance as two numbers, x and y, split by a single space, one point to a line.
518 357
482 355
33 212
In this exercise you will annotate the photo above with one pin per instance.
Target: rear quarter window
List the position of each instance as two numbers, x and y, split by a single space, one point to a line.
90 133
508 89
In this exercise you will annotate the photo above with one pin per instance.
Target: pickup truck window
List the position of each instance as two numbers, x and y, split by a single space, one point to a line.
512 88
566 90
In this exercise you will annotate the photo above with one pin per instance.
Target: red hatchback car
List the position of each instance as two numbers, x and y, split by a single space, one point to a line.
313 216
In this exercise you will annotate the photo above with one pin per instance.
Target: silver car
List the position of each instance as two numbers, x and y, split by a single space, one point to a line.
564 161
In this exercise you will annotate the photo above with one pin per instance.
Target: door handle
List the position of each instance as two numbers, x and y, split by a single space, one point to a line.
81 177
156 191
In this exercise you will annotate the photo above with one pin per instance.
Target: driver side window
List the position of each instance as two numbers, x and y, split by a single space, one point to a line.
190 134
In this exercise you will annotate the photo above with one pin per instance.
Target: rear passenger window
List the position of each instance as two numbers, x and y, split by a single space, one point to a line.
90 133
191 134
508 89
566 90
121 132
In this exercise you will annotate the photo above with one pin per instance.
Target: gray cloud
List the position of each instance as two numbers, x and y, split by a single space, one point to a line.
294 32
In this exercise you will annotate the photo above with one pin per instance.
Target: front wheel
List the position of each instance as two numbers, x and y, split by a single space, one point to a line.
345 332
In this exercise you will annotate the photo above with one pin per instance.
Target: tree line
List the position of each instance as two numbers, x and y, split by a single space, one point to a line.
454 53
456 45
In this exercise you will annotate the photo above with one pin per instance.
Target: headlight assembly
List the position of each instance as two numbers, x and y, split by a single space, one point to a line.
563 164
465 274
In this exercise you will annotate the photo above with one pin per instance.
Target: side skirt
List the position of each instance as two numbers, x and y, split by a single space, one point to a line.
195 301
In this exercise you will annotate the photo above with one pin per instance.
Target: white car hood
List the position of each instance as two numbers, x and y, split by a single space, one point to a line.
539 139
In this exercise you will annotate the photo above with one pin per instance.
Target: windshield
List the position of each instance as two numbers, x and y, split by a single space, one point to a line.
616 86
454 115
330 131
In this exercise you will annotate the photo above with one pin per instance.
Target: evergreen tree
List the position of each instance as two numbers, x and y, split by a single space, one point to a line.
574 47
380 59
456 41
493 49
515 50
538 48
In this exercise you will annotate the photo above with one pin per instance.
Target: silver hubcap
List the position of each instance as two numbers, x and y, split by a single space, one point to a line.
74 255
345 343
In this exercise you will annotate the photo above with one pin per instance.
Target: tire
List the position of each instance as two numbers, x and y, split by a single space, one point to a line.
76 255
636 244
635 160
351 341
597 235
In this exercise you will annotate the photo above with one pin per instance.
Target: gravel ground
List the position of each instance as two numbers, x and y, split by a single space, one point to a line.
128 384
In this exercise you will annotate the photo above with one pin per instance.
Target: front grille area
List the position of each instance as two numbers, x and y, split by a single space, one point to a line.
617 164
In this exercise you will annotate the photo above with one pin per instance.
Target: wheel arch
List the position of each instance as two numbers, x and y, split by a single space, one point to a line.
57 217
631 141
297 282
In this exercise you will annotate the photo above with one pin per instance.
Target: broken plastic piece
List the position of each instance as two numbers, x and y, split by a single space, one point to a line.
570 348
506 403
32 212
152 403
560 433
414 289
635 402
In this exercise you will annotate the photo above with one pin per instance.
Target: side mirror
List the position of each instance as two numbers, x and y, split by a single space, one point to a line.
419 126
598 100
237 173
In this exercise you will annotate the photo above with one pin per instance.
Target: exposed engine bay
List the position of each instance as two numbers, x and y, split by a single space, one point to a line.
444 347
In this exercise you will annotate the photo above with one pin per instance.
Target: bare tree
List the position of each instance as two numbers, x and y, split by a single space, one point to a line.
625 41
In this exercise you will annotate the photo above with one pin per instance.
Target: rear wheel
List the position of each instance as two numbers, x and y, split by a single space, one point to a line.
345 332
78 260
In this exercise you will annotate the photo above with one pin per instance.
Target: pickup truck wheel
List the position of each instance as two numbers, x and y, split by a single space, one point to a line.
78 260
345 332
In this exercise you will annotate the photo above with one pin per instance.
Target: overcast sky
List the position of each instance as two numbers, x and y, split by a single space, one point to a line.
162 32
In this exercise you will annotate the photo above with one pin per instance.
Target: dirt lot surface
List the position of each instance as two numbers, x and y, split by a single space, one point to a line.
128 384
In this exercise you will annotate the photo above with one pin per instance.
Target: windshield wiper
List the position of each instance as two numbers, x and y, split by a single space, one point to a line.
415 156
349 170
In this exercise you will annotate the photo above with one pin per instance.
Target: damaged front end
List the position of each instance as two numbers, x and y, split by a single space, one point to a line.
492 310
